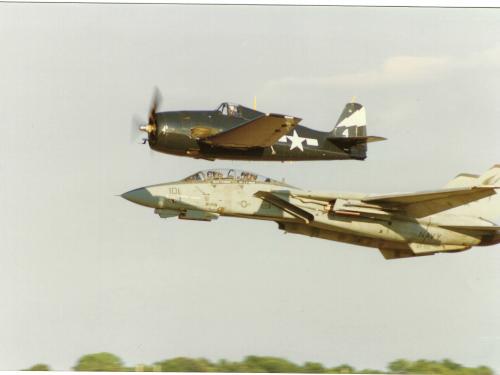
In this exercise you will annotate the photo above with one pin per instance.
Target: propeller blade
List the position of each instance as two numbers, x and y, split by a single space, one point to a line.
150 127
154 106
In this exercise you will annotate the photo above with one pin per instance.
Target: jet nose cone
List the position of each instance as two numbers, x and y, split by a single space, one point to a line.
141 196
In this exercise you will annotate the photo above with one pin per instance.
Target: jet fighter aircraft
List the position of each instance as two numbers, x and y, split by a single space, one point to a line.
236 132
451 219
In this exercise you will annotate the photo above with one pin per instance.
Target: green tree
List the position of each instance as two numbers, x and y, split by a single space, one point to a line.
342 369
39 367
399 366
183 364
444 367
99 362
259 364
313 368
254 363
483 370
229 366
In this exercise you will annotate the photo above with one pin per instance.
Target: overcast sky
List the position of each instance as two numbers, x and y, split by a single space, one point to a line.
84 271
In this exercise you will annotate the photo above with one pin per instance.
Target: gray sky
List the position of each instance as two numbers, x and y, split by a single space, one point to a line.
83 271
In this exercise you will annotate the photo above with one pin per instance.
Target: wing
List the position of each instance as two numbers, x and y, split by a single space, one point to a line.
431 202
408 198
261 132
475 228
414 204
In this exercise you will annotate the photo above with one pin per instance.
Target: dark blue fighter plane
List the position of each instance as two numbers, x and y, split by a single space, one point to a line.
236 132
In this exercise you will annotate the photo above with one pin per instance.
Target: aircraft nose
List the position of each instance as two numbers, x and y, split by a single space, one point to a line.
141 196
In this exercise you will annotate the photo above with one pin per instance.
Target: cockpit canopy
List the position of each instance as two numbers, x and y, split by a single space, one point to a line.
230 109
238 111
230 175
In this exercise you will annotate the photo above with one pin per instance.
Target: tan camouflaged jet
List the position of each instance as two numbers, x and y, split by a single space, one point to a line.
449 220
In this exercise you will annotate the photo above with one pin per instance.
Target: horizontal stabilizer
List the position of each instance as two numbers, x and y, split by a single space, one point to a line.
263 131
352 141
285 206
422 248
419 249
398 253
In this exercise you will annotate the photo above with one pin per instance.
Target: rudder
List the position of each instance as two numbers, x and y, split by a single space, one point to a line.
487 208
352 122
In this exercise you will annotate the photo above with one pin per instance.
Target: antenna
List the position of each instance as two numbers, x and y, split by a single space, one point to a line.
255 103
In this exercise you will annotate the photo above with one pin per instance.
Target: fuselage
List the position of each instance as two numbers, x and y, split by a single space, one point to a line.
179 133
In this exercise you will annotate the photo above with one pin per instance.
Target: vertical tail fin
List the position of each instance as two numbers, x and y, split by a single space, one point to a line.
350 131
487 208
490 177
352 122
462 180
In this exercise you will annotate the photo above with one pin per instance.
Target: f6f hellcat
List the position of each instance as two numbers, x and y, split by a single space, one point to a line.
235 132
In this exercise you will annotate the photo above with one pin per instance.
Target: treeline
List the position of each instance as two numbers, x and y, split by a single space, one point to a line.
251 364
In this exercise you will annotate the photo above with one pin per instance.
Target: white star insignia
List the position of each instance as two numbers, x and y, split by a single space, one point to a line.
296 141
164 129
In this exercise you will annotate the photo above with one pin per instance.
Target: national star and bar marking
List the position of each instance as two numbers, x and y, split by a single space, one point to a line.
297 141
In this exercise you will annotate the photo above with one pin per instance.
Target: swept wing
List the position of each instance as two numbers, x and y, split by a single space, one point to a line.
418 204
409 198
431 202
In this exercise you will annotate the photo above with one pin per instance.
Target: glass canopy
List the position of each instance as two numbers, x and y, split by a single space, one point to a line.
230 175
230 109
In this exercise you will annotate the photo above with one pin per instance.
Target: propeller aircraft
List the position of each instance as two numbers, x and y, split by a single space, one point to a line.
235 132
449 220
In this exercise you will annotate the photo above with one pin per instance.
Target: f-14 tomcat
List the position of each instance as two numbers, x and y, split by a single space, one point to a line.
451 219
236 132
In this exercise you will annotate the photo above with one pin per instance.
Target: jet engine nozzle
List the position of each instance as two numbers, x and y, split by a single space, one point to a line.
490 239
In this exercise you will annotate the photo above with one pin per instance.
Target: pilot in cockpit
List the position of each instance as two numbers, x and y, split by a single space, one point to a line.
232 110
247 176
